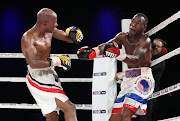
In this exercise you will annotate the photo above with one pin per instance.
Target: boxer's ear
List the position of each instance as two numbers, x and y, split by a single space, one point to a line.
45 24
145 27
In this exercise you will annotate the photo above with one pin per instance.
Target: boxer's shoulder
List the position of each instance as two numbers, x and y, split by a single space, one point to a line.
27 34
145 39
27 37
121 37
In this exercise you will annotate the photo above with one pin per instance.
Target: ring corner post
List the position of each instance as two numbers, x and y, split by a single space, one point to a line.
103 88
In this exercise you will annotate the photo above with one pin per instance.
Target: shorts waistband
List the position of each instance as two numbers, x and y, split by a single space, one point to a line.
41 71
135 72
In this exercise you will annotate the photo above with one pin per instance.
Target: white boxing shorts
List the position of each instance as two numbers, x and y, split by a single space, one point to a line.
135 89
45 86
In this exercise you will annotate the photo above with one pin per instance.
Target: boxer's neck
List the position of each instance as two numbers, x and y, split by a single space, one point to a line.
39 31
135 38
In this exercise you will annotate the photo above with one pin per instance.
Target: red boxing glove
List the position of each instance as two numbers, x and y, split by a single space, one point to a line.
111 49
86 53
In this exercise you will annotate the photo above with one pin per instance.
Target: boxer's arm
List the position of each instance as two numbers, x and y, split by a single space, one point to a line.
118 39
61 35
29 52
90 53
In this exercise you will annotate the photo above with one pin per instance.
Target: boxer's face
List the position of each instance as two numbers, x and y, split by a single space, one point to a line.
137 25
52 24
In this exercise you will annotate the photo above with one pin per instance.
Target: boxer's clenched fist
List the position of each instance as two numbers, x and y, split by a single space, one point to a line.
75 34
86 53
111 49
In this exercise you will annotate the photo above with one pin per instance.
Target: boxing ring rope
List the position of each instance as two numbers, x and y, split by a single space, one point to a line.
20 55
87 106
80 106
35 106
74 56
164 24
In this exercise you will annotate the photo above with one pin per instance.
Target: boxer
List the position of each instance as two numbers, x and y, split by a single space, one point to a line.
42 80
133 48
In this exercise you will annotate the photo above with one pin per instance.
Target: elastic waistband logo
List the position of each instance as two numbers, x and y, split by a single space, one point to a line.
133 73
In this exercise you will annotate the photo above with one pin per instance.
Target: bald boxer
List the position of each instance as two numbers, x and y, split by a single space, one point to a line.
133 48
42 80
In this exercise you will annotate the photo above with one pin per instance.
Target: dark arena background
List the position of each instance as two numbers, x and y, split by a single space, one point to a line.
99 22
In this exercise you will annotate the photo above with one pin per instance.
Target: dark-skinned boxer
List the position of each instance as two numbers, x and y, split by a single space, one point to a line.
133 48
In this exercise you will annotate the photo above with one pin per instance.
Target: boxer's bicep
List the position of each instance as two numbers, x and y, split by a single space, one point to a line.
61 35
28 49
101 48
148 54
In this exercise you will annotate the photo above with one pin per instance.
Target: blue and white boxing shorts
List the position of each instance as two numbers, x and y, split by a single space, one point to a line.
135 89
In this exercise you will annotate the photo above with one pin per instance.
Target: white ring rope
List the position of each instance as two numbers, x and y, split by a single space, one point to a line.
86 106
166 56
164 24
35 106
20 55
74 56
165 91
171 119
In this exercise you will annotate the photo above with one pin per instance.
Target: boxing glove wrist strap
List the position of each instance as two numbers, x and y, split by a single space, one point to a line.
51 63
96 50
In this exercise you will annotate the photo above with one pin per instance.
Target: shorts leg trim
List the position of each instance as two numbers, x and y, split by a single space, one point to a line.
144 111
132 96
130 107
53 90
116 110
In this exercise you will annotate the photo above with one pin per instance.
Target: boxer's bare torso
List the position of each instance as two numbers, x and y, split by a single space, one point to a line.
37 48
140 48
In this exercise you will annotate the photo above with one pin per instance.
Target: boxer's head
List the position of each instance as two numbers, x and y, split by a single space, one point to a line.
160 47
47 19
138 24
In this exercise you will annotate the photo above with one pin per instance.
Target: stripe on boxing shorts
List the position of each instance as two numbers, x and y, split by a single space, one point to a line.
44 87
132 96
130 107
118 110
